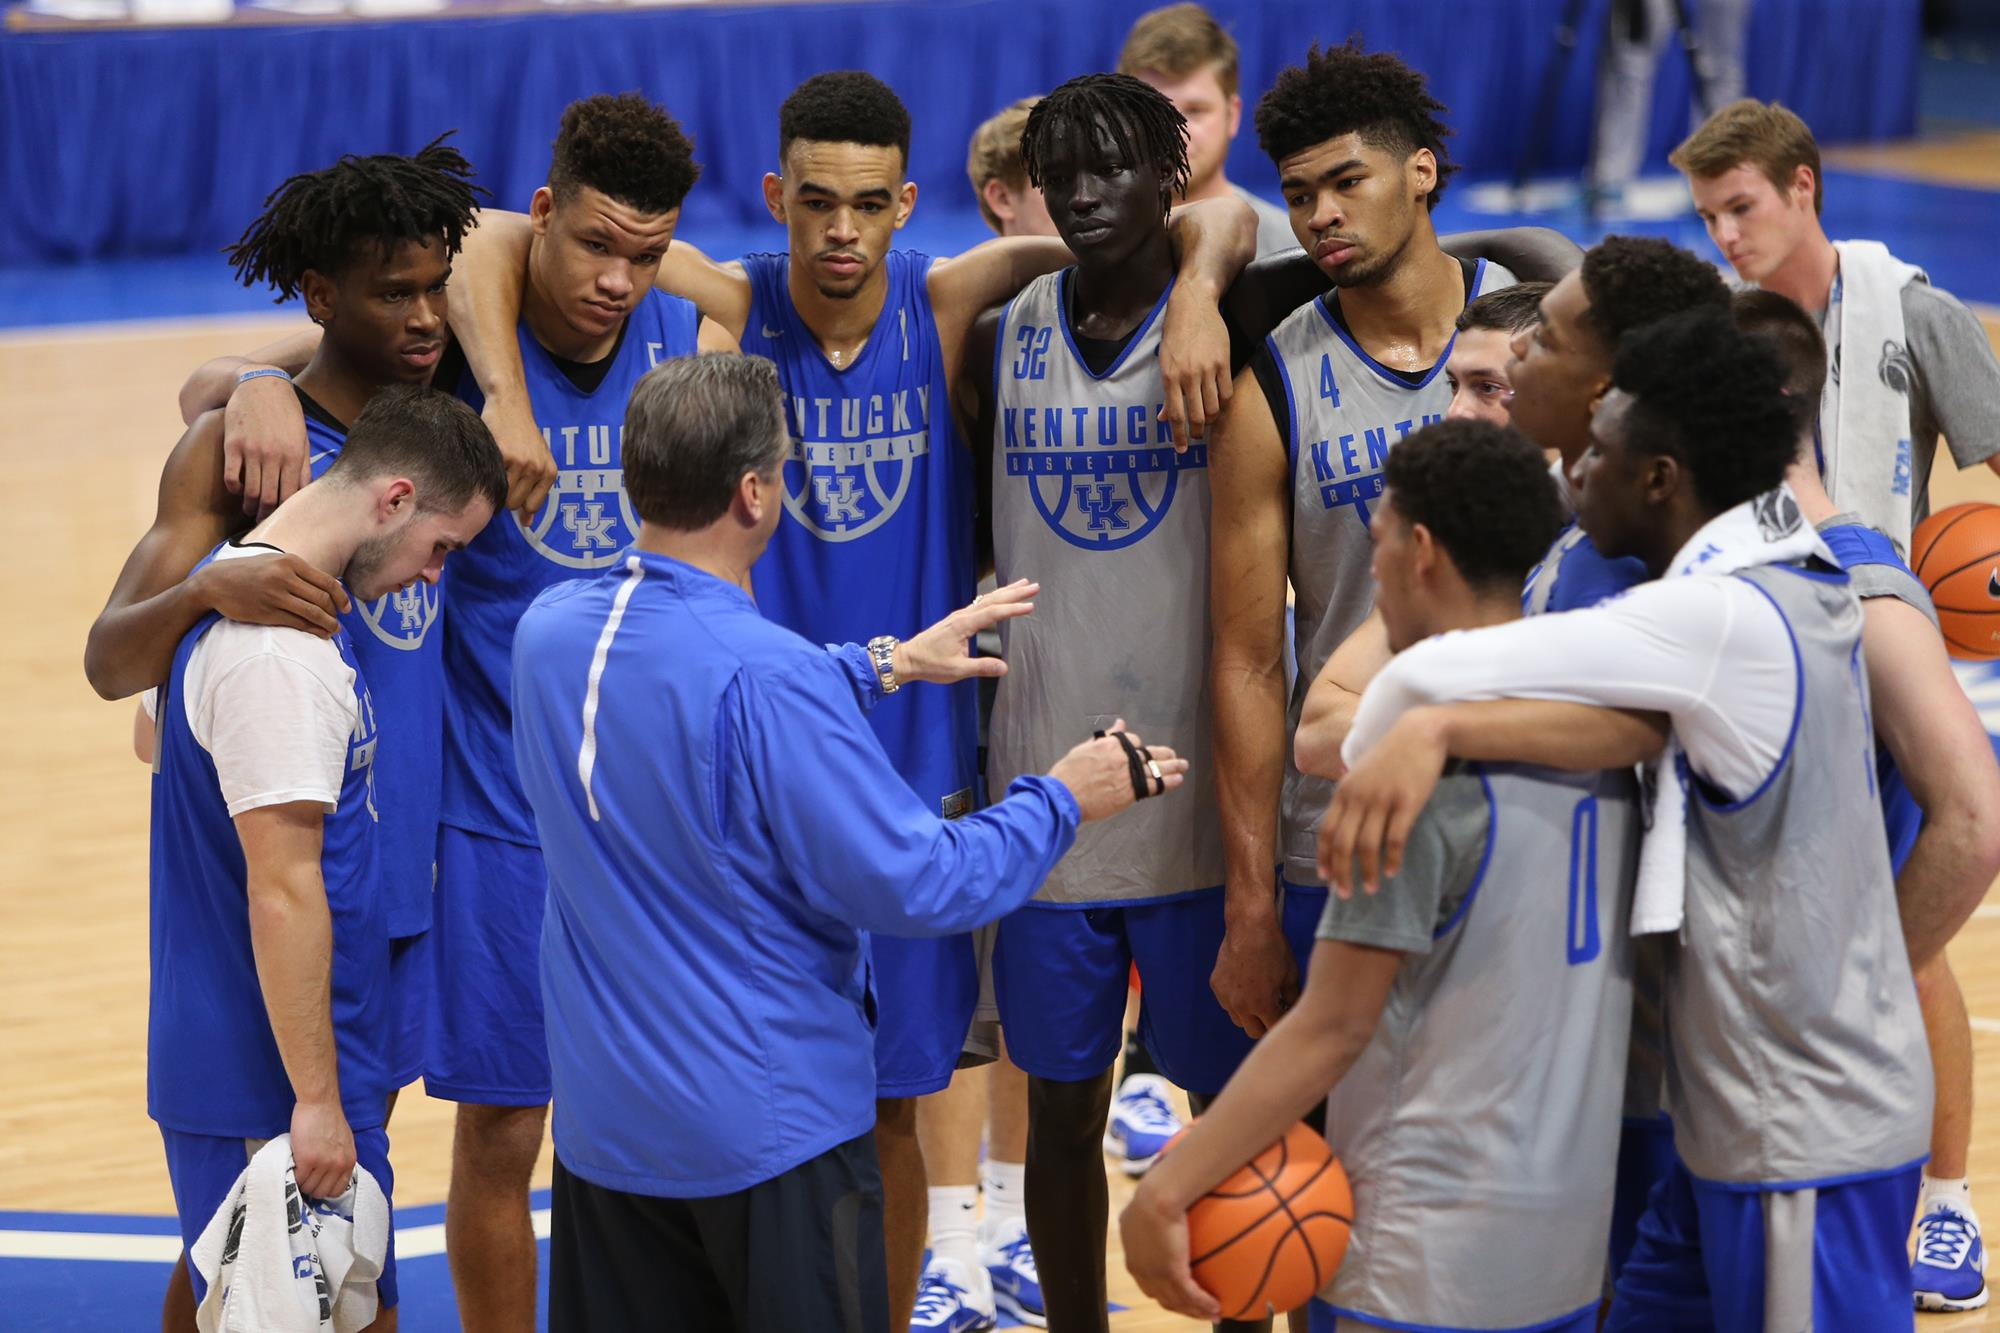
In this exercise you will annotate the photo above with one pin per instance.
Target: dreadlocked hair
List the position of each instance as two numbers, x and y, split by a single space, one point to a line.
1141 122
321 220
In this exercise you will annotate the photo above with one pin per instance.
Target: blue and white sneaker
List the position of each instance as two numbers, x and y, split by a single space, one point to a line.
1017 1287
1950 1272
1142 1120
952 1299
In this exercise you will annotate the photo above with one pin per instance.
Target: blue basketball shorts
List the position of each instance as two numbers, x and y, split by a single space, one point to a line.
925 994
1743 1260
486 1043
1060 974
410 983
204 1168
1645 1158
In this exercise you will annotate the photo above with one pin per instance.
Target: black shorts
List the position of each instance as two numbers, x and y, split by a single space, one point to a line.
801 1251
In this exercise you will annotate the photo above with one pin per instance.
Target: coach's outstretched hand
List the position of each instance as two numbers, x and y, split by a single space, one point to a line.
265 456
943 653
1099 772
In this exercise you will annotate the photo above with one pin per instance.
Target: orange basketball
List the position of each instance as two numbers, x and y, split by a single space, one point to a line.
1956 555
1268 1238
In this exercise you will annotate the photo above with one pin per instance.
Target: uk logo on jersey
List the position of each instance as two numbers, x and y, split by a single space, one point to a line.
404 618
1101 476
587 519
854 459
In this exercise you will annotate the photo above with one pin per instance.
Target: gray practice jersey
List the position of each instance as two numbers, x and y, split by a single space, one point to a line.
1090 499
1480 1126
1339 412
1796 1051
1274 225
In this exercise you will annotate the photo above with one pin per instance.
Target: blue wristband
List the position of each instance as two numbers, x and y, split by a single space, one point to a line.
259 373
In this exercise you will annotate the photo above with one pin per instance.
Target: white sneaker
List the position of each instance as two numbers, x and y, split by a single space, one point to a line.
1142 1120
1017 1286
953 1298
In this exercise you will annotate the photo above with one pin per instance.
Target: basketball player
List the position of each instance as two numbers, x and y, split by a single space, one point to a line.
1800 1124
1477 369
865 339
1473 1210
270 965
367 244
1940 791
588 326
1297 467
1754 172
1064 384
1184 53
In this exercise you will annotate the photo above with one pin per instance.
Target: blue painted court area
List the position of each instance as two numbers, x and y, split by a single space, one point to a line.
1946 230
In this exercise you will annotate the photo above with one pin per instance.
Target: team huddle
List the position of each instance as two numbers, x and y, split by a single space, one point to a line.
1474 686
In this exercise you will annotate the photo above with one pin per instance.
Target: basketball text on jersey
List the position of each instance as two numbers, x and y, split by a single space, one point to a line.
853 459
587 519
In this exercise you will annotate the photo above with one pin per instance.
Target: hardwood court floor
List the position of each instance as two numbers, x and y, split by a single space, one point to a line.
92 412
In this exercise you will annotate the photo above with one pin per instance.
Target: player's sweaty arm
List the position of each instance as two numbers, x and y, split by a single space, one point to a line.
1368 823
156 601
1941 748
291 933
265 456
1255 975
1285 1076
1330 704
971 402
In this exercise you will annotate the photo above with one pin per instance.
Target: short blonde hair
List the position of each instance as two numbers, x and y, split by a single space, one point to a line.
1177 41
995 155
1765 135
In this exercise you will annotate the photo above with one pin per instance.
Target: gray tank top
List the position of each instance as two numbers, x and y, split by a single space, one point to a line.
1480 1126
1796 1051
1090 499
1347 411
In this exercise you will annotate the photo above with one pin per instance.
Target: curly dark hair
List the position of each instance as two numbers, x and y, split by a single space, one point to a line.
1634 280
1347 90
844 106
324 220
626 148
1713 397
1795 335
1143 123
1485 493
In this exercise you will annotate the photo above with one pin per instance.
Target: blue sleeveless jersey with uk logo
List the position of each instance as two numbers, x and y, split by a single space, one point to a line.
212 1064
878 532
399 644
585 523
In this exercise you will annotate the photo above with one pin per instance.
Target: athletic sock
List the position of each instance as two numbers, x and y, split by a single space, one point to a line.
1956 1194
1006 1200
955 1223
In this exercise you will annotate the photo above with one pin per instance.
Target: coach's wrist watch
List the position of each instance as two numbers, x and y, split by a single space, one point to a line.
882 652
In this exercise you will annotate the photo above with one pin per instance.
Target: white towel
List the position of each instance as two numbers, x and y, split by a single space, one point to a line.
277 1262
1864 414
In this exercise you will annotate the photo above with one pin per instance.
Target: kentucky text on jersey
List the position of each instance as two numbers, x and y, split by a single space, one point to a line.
1348 470
840 441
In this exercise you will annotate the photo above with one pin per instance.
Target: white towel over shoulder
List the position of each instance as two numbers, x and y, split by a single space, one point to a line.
1864 413
276 1262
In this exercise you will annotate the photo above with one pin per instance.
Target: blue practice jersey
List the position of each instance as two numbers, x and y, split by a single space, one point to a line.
399 644
582 527
212 1065
878 537
1575 575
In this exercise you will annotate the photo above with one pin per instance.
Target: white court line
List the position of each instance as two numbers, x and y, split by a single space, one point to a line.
1986 912
411 1243
1978 1025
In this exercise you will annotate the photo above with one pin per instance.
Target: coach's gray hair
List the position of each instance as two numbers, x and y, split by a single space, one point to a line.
693 427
